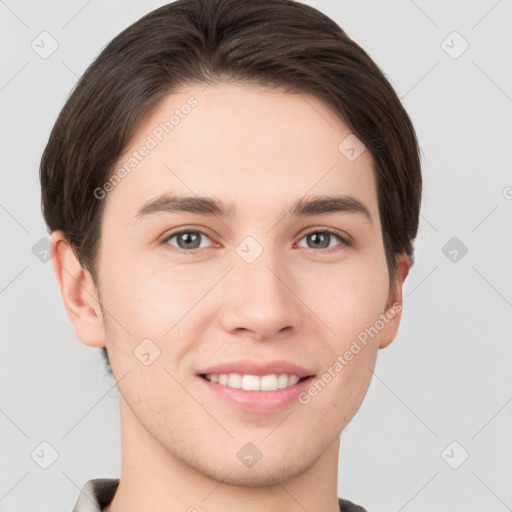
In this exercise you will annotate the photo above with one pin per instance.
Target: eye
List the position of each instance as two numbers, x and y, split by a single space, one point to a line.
320 239
188 240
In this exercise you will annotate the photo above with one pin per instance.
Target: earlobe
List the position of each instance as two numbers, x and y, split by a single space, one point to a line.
78 292
393 314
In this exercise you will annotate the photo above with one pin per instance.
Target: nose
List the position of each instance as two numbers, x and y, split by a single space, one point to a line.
259 300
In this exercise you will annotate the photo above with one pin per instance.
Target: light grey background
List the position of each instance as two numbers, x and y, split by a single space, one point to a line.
447 376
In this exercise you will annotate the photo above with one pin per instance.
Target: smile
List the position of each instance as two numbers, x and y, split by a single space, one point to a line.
247 382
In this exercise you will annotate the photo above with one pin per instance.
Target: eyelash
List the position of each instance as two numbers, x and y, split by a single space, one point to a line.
344 241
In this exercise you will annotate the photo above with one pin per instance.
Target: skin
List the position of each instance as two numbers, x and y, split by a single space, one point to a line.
260 149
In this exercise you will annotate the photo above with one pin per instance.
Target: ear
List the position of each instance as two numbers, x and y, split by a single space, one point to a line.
78 292
393 313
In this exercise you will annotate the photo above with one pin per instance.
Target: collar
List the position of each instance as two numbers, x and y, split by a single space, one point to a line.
97 493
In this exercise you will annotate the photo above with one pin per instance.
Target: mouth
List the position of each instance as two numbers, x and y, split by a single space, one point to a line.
250 388
248 382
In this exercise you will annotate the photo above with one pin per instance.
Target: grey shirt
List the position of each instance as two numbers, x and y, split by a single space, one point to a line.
98 493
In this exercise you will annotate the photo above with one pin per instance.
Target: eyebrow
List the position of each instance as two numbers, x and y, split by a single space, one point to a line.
304 207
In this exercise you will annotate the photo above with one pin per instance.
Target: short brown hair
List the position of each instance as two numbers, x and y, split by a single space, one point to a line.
268 42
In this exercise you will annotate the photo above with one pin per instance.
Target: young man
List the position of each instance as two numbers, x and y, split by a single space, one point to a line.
233 189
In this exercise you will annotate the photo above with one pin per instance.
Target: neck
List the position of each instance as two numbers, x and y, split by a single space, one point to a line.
154 478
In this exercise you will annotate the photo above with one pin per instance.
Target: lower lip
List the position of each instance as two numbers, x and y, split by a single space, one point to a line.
258 401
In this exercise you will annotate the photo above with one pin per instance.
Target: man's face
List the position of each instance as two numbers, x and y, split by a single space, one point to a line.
259 285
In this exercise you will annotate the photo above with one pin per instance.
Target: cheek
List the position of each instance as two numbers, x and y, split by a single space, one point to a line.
357 297
149 299
348 298
154 310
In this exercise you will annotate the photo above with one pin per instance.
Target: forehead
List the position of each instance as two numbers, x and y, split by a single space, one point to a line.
248 146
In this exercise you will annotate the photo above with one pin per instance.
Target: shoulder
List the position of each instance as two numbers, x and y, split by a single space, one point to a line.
348 506
96 494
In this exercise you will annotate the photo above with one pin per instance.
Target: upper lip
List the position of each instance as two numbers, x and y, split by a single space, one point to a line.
251 367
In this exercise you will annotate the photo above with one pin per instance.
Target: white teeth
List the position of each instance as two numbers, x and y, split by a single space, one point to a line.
282 381
268 383
254 382
235 380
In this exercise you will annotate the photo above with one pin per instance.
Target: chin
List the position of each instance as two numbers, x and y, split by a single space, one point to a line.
267 471
267 476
